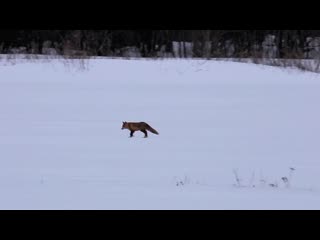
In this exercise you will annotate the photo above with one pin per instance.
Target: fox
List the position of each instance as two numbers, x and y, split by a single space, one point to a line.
138 126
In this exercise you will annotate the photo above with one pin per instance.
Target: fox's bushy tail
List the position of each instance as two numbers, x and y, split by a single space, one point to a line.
149 128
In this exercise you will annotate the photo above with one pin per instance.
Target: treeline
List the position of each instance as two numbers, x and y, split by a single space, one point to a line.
164 43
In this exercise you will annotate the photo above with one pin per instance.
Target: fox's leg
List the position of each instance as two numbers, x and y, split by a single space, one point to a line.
131 133
145 133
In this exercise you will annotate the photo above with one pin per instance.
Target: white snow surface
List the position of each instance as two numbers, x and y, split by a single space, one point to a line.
62 147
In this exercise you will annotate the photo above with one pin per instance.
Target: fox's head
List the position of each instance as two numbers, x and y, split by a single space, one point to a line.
124 125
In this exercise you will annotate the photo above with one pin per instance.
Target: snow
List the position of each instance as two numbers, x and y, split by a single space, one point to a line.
62 147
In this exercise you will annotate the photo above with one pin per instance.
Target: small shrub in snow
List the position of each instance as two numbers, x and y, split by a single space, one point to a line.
263 182
287 180
238 180
274 185
181 182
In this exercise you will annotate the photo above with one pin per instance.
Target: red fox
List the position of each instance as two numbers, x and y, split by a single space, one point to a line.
138 126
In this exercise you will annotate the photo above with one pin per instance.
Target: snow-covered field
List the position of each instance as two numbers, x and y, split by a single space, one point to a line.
62 147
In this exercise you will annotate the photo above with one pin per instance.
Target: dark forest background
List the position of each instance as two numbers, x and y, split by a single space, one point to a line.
281 44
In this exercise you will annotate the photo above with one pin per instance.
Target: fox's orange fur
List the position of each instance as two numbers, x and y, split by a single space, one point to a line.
138 126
